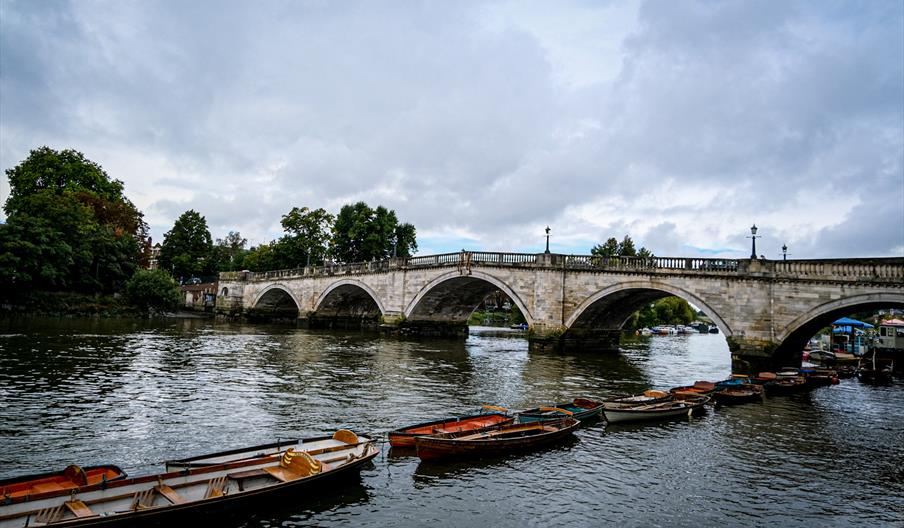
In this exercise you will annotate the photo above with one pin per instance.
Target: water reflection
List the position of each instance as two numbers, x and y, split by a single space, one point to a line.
137 392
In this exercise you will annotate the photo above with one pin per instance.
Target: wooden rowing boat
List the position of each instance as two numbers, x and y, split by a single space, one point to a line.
404 436
735 394
188 497
582 409
699 388
627 412
500 440
648 397
62 482
318 447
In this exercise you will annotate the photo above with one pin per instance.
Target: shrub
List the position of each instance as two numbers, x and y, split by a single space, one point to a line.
153 290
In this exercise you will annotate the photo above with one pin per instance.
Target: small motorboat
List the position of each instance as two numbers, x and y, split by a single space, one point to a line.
582 409
496 441
188 497
626 412
822 356
317 447
71 478
404 436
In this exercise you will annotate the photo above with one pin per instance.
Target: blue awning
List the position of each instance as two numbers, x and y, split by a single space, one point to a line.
847 321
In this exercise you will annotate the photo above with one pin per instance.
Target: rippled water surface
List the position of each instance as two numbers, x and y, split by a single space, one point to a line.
136 393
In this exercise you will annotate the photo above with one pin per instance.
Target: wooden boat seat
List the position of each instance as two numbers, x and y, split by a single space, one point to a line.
49 486
170 494
295 465
346 436
79 508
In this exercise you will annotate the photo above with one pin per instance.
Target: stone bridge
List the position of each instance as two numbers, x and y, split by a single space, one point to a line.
766 309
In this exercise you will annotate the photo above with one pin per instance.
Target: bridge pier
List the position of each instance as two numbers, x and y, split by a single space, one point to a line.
575 340
752 356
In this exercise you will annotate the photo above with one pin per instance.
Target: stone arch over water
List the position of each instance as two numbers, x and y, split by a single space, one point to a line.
453 297
347 304
276 301
796 334
611 307
597 322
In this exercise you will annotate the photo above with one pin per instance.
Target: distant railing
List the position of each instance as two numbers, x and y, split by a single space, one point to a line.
883 269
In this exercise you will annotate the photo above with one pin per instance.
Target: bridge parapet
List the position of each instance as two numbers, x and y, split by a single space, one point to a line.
879 269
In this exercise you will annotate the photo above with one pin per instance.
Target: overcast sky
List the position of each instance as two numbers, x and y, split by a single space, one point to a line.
680 123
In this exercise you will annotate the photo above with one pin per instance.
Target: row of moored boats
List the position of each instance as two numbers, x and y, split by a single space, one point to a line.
191 488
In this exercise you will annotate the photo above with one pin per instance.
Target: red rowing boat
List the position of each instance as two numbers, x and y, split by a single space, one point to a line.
71 478
404 437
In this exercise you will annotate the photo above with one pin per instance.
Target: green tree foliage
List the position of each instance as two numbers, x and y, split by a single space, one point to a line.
609 249
228 253
361 234
308 234
69 226
614 248
187 247
153 290
670 310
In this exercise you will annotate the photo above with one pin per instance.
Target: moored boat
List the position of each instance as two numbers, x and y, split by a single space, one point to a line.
497 441
616 413
731 394
71 478
187 497
582 409
404 436
649 396
317 446
699 388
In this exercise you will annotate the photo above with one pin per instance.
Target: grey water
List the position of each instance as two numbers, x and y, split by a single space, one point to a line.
135 393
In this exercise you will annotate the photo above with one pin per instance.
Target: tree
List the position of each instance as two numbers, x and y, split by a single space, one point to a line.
69 226
609 249
228 253
153 290
361 234
187 247
625 248
307 238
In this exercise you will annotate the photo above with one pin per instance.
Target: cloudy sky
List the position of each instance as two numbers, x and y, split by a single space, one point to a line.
680 123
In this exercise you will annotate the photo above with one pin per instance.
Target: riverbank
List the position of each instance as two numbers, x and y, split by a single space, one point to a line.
77 305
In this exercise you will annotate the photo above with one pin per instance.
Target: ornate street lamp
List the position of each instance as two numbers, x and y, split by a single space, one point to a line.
753 236
784 251
547 239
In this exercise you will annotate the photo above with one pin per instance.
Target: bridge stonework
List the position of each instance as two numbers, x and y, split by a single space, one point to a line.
767 310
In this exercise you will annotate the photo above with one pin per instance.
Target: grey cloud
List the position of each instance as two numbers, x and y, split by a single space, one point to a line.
256 108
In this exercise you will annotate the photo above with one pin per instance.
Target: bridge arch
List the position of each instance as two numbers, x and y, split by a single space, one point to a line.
798 332
276 300
346 293
453 296
613 305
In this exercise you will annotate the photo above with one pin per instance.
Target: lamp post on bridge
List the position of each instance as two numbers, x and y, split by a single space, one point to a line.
547 239
753 236
784 251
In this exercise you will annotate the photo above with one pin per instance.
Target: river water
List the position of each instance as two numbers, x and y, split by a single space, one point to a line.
135 393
